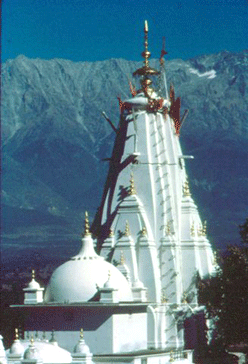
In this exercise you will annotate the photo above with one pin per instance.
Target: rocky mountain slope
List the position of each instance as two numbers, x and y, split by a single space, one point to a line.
54 139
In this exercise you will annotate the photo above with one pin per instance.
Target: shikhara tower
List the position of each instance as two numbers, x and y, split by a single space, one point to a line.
147 212
149 230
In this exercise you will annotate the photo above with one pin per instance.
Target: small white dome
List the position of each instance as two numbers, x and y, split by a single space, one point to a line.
82 348
32 352
47 352
78 279
33 285
16 348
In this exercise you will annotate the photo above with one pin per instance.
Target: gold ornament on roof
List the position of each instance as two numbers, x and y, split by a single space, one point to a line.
186 191
171 357
81 333
146 70
163 298
184 298
86 225
168 228
33 274
204 228
32 340
111 233
192 229
144 231
122 258
132 190
127 229
109 275
16 334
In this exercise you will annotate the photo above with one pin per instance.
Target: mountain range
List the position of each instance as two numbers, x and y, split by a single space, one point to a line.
54 140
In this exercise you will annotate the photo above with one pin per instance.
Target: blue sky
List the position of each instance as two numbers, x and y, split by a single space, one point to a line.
95 30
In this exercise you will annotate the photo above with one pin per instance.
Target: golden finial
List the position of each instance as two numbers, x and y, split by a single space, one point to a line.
81 333
146 54
33 274
122 258
109 275
111 233
16 334
86 225
168 228
186 191
127 229
184 298
144 231
32 340
132 190
146 70
171 357
192 229
204 228
163 298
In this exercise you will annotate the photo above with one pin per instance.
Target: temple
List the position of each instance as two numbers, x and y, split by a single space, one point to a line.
133 284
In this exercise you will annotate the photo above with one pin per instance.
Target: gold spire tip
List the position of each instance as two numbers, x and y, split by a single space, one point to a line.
146 26
33 274
86 225
16 334
81 333
32 340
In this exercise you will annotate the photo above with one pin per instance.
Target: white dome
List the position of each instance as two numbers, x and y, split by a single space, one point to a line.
32 353
78 279
16 348
47 352
33 285
82 348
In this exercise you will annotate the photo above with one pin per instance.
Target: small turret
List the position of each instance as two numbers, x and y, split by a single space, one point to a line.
33 293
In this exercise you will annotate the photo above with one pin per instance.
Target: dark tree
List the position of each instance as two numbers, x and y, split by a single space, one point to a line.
226 295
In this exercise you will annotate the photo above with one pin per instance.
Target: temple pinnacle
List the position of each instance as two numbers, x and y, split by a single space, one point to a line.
16 334
81 333
127 229
86 225
132 190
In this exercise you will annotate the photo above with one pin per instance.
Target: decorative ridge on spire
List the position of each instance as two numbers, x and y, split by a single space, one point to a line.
132 190
86 225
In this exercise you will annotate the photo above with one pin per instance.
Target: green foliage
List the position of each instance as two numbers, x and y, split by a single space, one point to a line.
226 294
